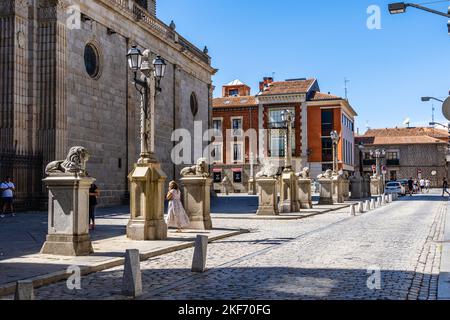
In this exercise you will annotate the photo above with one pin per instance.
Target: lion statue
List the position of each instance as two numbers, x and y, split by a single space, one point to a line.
267 170
75 163
327 175
199 170
304 174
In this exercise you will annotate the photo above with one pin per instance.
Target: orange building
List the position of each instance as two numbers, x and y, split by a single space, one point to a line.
316 115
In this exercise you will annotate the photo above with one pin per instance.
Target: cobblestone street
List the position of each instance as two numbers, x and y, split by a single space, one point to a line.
331 256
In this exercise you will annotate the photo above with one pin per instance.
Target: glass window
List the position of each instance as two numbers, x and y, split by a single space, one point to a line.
327 149
237 127
217 176
327 122
237 177
217 125
237 152
194 104
233 92
392 155
91 60
217 153
277 146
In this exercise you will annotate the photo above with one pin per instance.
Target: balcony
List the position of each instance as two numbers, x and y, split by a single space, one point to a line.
278 125
369 162
393 162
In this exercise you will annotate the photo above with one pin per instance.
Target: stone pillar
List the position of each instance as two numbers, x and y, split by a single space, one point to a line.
366 187
346 189
304 193
197 201
68 216
252 188
288 192
376 187
147 203
338 189
267 196
326 191
356 187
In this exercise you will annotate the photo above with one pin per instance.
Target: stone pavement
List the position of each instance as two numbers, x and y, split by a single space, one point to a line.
390 253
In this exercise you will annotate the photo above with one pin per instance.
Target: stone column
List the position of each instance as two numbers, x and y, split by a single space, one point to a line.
288 192
197 201
326 191
267 196
68 216
304 193
147 203
338 189
356 187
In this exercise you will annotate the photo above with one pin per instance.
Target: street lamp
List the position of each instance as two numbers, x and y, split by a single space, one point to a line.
378 154
361 148
138 61
335 139
400 7
287 117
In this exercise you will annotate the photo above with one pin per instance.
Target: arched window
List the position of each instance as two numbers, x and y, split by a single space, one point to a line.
194 104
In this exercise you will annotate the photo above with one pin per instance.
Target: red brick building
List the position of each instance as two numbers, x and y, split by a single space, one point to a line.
316 115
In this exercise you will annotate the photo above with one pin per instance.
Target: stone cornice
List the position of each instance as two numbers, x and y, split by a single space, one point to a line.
281 98
16 7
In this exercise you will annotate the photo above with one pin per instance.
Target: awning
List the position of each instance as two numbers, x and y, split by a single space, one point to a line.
217 170
236 169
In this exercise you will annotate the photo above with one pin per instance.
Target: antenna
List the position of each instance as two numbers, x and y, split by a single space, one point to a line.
433 109
346 81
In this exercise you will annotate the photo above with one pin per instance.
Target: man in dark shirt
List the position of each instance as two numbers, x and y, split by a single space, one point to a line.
94 193
411 186
445 187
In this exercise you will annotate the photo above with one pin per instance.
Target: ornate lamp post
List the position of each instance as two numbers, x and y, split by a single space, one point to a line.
287 117
150 78
378 154
335 139
147 178
361 149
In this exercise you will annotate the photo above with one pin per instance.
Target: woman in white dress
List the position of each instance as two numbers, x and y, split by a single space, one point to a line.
177 217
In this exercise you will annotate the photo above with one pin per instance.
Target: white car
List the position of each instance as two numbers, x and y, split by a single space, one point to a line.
395 187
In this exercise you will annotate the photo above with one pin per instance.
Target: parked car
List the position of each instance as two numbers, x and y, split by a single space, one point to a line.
395 187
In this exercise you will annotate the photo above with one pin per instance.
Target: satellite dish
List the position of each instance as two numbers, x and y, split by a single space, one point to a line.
446 108
407 122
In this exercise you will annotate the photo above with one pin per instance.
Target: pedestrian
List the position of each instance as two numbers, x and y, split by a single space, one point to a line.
411 186
422 185
94 193
445 187
427 185
177 217
7 189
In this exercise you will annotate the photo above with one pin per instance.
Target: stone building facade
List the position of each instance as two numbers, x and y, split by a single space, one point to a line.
410 152
64 81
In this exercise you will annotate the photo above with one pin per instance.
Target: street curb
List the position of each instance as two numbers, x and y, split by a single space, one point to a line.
444 270
51 278
279 218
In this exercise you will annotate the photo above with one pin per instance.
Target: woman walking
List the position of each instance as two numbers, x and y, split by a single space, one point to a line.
94 193
177 217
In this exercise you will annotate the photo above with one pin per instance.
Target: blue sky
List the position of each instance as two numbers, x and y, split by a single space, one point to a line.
389 69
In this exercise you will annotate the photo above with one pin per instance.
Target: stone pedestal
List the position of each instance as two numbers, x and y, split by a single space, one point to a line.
267 197
338 189
356 187
376 186
68 216
304 193
147 203
366 187
197 201
288 193
326 191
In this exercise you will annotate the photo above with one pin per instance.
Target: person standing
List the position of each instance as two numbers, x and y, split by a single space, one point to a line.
94 193
411 186
445 187
177 217
422 185
7 189
427 185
